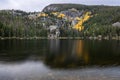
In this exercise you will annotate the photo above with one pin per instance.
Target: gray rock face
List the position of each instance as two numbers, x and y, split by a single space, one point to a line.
54 32
117 24
72 13
50 8
62 7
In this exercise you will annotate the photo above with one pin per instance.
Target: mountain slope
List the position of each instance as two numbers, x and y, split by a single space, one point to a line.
71 19
102 17
62 7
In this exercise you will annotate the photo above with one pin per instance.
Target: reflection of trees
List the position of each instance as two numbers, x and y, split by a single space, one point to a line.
21 50
54 45
76 53
61 53
71 53
104 53
81 51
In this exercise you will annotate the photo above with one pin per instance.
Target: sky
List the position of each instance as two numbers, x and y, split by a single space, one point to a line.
38 5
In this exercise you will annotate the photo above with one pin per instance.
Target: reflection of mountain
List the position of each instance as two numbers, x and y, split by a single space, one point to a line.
54 45
81 51
61 53
76 53
71 53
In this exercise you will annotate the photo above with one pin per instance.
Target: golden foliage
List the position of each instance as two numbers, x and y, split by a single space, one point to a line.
61 15
55 13
42 15
79 26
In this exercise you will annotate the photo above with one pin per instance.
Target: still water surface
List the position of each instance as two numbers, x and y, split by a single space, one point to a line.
59 60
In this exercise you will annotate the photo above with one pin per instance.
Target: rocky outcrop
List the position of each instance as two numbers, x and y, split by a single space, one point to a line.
53 32
62 7
117 24
50 8
72 13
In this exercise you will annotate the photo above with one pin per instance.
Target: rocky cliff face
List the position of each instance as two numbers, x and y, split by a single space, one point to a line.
72 13
50 8
62 7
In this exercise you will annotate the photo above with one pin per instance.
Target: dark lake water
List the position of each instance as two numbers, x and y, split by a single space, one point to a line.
59 60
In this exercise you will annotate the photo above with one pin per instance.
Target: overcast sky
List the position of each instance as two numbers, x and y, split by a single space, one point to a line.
38 5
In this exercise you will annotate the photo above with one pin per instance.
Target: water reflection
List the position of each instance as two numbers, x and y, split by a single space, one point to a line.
67 53
76 53
61 53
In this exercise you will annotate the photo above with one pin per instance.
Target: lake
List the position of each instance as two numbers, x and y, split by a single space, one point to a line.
59 59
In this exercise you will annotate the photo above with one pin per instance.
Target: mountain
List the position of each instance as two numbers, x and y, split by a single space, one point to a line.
62 7
102 12
71 19
102 17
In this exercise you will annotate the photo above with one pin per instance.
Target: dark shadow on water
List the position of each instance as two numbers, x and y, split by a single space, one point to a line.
61 53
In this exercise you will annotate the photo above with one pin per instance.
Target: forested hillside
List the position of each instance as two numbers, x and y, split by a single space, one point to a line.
72 20
15 23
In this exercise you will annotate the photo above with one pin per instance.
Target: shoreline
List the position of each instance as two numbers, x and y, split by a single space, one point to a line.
81 38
